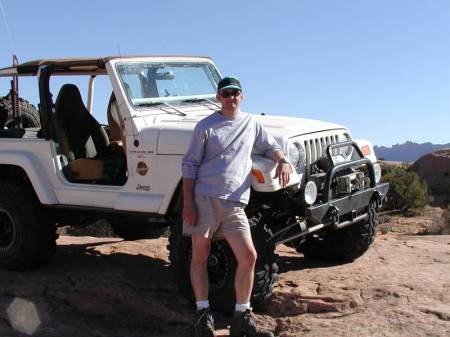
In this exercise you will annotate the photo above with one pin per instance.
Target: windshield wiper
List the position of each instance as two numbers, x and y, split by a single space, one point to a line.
200 99
149 104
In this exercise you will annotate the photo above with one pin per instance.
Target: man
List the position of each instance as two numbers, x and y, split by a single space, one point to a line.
216 187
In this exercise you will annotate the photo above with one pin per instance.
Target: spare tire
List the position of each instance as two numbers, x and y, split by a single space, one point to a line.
29 113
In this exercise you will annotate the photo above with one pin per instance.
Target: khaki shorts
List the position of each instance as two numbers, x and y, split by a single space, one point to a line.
218 218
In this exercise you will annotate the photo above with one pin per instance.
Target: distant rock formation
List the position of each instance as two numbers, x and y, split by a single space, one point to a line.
434 168
408 151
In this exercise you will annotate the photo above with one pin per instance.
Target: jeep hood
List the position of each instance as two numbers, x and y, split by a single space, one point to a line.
175 132
287 127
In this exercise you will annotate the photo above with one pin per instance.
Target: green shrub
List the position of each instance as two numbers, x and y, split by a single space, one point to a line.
406 191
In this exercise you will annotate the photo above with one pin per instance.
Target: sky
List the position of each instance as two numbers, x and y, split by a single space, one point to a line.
381 68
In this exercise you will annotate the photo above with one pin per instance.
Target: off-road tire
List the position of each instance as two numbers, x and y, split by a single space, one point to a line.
27 236
221 269
222 266
29 113
343 245
266 268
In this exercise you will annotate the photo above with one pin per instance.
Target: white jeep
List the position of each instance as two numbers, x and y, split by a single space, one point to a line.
59 166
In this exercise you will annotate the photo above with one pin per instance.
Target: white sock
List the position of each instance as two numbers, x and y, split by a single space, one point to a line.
202 305
242 307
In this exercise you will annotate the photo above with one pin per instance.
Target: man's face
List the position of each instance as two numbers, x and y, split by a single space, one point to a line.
230 98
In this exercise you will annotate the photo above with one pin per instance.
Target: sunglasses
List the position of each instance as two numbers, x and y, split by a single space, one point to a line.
228 93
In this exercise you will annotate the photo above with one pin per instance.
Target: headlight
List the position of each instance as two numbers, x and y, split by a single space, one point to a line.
345 151
377 169
310 192
293 154
297 156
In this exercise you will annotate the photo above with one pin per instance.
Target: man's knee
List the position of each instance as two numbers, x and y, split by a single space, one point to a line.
200 260
252 256
248 257
200 251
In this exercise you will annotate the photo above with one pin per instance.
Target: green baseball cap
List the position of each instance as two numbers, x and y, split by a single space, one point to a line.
229 83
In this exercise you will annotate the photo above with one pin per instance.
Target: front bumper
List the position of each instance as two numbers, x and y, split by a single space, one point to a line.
348 204
339 212
330 210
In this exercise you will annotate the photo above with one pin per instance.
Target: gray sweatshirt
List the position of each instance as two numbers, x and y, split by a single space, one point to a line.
219 156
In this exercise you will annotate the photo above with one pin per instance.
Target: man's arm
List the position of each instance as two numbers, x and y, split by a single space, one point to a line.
189 211
283 170
277 155
190 165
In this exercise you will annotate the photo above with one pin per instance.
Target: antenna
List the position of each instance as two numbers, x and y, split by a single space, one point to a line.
8 31
118 48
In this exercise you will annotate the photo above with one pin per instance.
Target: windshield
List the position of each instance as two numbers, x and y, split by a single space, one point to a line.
150 82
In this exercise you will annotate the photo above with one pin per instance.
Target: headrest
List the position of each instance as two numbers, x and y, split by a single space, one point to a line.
69 105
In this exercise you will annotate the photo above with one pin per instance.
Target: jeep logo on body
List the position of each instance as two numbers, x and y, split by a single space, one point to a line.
145 188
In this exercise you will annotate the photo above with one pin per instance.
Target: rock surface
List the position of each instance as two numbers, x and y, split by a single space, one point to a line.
108 287
434 168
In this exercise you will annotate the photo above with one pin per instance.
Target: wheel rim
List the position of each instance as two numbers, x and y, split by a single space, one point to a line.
7 231
218 266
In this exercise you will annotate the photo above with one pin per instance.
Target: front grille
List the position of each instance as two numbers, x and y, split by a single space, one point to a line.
315 145
316 148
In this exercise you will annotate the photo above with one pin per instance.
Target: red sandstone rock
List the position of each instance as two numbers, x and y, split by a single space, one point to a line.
108 287
434 168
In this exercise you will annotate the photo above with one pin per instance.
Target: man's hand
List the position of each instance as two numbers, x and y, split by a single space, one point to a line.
189 214
283 173
189 210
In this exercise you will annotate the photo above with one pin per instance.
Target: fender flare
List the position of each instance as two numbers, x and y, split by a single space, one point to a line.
169 201
35 171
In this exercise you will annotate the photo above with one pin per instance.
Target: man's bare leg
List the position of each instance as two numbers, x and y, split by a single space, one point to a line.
245 254
243 323
204 322
199 273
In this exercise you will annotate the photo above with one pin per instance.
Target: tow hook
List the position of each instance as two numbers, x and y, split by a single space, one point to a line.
378 198
334 215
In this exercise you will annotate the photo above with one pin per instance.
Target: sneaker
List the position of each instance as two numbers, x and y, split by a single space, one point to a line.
244 324
204 324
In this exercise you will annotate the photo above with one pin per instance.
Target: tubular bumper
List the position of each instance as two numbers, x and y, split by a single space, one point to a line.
330 209
347 204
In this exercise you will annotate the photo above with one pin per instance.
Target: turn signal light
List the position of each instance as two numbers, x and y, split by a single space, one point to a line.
259 176
365 150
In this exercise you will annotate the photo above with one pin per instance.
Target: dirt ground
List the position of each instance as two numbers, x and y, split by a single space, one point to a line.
109 287
429 221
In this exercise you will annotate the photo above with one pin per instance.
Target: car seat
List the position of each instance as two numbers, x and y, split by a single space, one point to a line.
84 142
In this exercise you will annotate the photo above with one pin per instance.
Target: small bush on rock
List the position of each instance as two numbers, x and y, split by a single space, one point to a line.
406 191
